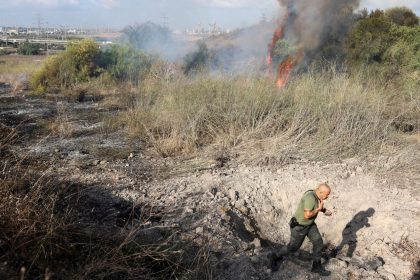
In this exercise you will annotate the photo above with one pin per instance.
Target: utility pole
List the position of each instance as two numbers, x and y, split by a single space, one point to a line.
164 21
39 23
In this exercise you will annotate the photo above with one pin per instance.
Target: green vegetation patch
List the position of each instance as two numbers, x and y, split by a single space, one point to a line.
83 61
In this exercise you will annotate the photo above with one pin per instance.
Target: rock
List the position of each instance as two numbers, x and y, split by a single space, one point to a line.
189 210
255 259
96 162
131 155
336 264
248 226
375 263
385 274
199 230
359 169
233 195
357 262
267 208
241 206
345 175
103 162
257 243
240 203
226 217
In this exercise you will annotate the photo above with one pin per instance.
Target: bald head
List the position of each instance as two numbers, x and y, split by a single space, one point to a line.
323 191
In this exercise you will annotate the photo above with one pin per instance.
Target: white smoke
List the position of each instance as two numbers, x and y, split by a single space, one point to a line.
311 21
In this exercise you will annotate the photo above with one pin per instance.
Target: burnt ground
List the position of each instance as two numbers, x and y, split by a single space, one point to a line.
239 212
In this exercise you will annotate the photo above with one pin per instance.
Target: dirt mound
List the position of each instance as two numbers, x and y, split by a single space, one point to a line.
238 212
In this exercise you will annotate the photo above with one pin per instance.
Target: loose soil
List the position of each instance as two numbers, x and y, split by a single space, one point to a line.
240 211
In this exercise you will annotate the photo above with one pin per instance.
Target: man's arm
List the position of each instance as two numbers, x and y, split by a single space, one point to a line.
308 214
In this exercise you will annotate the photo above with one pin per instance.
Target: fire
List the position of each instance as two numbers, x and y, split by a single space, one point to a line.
285 67
283 72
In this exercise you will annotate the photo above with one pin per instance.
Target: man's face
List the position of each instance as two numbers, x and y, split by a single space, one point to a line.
324 193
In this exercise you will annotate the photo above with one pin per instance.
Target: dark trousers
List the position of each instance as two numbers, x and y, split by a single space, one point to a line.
298 234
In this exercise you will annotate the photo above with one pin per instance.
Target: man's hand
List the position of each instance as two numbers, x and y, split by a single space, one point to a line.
320 205
328 212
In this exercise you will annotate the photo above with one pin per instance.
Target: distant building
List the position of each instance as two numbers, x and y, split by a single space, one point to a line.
12 31
211 30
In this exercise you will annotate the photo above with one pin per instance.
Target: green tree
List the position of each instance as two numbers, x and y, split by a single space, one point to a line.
402 16
147 36
392 46
370 38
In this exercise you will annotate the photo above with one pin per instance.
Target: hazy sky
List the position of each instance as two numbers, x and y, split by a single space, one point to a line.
180 13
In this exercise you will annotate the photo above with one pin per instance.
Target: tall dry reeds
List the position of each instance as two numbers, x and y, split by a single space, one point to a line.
320 114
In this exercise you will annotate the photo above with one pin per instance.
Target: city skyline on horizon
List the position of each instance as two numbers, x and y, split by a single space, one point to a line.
116 14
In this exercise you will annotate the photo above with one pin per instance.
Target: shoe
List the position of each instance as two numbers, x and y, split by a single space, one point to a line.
318 268
273 262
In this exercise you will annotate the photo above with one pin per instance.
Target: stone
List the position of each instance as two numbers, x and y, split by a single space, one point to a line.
375 263
385 274
248 226
257 243
243 209
240 203
103 162
336 264
189 210
345 175
267 208
357 262
131 155
199 230
233 195
255 259
226 217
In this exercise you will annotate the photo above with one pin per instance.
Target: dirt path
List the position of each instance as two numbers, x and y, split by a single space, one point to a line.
241 212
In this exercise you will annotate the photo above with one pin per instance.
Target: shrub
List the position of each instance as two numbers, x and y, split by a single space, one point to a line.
402 16
78 63
369 39
124 63
83 61
199 60
28 49
379 39
405 50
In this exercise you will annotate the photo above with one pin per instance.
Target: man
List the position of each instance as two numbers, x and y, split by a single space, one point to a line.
303 224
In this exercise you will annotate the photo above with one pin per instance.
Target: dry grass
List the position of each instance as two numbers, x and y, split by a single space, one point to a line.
319 115
18 64
15 70
57 229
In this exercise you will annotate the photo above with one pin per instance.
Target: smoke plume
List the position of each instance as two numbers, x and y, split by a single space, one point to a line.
308 30
311 22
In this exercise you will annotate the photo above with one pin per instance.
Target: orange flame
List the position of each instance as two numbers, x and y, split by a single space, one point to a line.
283 72
285 68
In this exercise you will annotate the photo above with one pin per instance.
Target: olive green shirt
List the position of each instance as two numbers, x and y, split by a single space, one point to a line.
309 201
